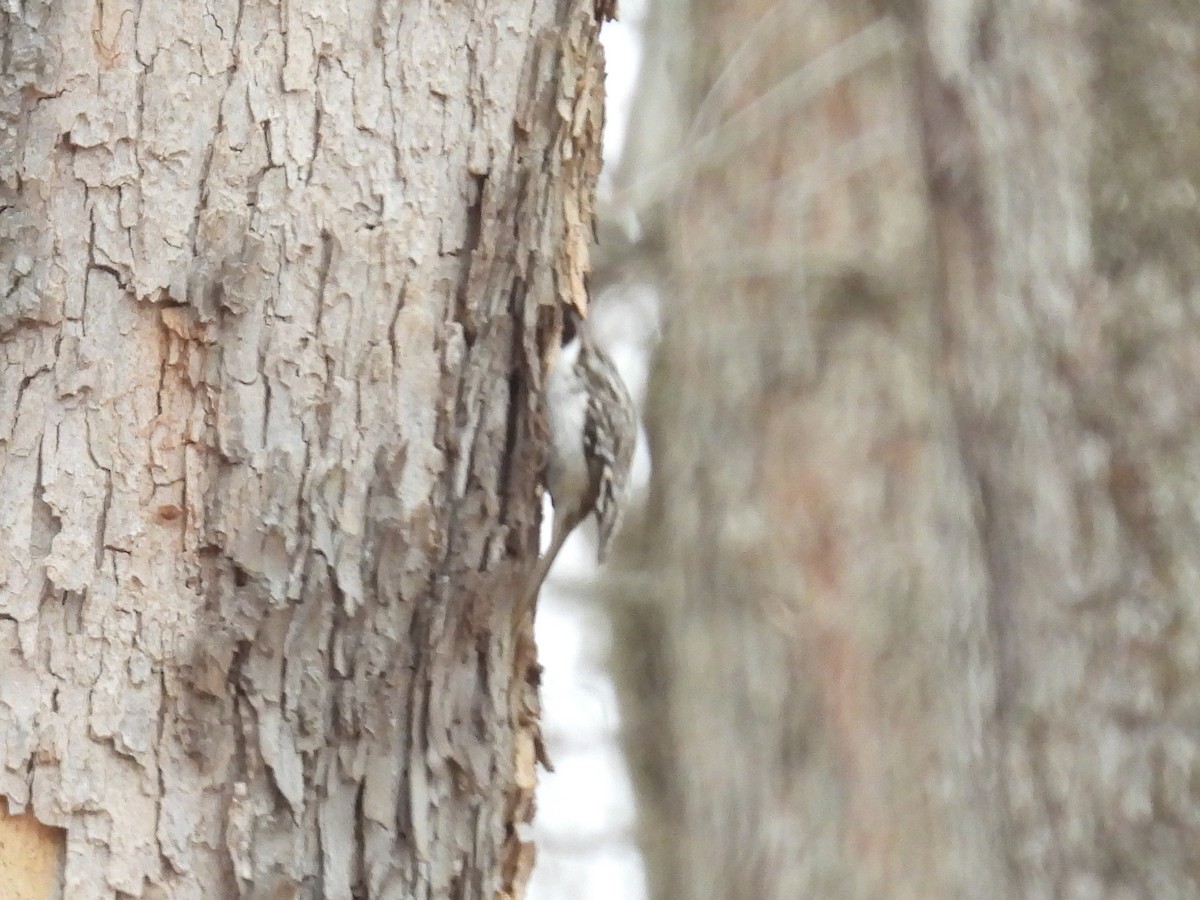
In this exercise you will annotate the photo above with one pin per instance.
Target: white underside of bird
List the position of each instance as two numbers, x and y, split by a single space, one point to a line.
567 474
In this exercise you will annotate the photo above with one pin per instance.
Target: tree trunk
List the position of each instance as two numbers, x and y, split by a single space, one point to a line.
925 441
276 282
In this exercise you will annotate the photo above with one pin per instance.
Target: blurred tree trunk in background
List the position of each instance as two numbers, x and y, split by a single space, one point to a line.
926 437
274 282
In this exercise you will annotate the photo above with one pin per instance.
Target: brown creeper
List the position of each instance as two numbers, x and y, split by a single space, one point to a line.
593 429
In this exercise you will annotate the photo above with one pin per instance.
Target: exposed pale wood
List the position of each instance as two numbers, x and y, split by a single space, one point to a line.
31 858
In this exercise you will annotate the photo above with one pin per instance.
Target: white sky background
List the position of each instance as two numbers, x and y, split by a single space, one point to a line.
584 827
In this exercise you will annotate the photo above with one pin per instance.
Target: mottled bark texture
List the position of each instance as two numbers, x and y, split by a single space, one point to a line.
275 284
926 490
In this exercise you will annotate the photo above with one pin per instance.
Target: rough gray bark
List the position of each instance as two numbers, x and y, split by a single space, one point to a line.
275 281
926 624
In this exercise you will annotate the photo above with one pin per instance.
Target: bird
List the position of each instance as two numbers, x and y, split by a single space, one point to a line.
593 432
